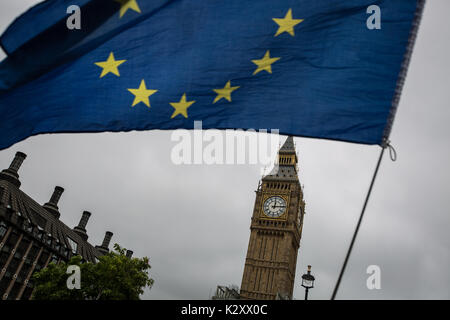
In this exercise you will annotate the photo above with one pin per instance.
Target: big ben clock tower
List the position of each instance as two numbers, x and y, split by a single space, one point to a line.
275 231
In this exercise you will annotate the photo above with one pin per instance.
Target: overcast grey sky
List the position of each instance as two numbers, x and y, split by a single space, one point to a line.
192 221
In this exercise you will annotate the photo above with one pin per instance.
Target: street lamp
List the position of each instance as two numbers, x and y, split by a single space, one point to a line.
308 281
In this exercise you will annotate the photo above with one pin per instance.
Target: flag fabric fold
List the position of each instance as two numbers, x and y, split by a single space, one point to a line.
307 68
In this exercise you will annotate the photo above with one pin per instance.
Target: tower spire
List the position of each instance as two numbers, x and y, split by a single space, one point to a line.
287 155
288 145
286 168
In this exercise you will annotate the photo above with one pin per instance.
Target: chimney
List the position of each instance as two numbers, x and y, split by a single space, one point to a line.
81 228
11 174
107 239
129 254
52 205
104 248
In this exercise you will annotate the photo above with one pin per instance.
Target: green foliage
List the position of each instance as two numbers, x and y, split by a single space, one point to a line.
113 277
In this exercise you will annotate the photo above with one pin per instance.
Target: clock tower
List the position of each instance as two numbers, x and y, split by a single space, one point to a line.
275 231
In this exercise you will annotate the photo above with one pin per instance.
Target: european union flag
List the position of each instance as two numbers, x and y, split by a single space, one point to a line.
328 69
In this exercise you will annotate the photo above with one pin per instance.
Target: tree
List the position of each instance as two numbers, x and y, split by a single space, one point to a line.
113 277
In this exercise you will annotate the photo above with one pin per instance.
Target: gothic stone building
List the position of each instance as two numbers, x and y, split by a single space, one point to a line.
32 235
275 231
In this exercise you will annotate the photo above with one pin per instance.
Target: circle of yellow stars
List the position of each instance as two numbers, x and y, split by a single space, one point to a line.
142 93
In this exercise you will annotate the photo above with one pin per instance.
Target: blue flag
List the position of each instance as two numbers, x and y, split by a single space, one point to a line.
327 69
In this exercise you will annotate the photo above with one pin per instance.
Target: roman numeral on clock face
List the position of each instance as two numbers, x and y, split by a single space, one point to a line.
274 206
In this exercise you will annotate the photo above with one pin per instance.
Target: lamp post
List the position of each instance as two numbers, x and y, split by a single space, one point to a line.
308 282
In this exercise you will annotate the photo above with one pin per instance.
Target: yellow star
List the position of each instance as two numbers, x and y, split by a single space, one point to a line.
265 63
141 94
128 4
225 92
287 24
110 65
181 107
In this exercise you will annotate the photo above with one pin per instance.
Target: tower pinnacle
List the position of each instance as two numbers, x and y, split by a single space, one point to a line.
286 168
288 145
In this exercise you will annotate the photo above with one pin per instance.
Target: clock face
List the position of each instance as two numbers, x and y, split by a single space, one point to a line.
274 207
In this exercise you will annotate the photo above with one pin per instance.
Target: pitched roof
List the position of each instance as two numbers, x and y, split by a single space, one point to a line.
15 199
282 172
